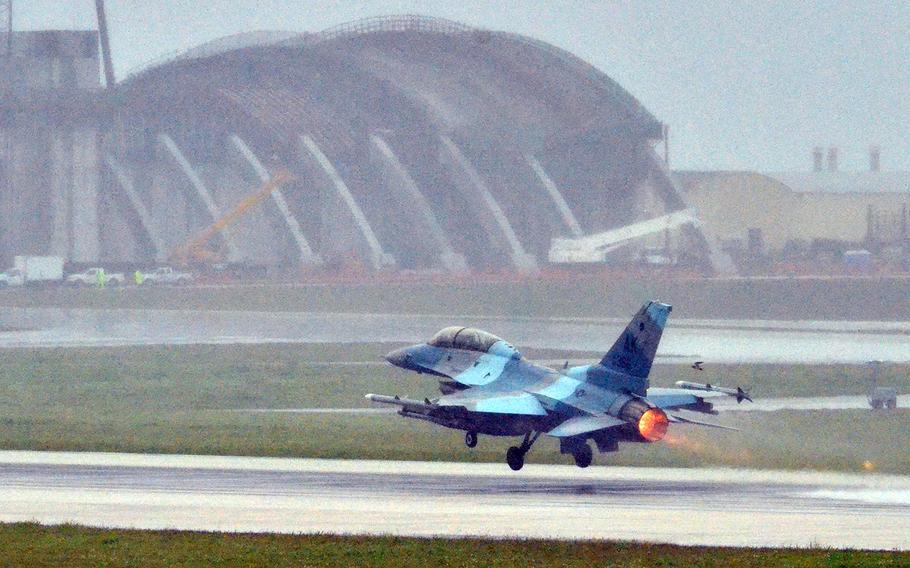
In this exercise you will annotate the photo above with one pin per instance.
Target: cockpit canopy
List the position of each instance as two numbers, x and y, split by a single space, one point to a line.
467 338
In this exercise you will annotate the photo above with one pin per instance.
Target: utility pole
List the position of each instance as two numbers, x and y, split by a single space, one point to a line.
6 20
105 44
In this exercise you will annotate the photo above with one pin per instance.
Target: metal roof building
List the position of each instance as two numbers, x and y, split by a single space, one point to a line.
414 142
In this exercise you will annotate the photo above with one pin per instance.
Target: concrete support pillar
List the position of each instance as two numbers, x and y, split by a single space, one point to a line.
26 214
85 243
6 191
203 193
307 256
565 212
469 180
125 183
61 195
398 179
378 257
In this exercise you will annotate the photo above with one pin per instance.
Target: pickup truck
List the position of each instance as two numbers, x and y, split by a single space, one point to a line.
166 275
91 277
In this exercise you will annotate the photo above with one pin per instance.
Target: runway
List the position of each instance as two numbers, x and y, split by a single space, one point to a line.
717 341
685 506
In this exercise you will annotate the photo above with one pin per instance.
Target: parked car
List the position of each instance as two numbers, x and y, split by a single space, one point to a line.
95 276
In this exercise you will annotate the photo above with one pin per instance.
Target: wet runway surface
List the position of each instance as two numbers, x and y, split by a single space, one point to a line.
707 506
718 341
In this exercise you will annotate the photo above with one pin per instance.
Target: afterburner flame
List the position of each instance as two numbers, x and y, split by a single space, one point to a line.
653 424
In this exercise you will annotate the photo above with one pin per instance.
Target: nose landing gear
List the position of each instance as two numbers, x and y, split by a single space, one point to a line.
515 456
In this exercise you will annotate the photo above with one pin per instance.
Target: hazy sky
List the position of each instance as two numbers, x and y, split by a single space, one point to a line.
742 85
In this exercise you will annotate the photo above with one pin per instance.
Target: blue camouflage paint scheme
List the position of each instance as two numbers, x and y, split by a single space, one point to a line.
490 388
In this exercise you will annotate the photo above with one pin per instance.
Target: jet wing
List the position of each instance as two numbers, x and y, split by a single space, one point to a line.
584 425
501 402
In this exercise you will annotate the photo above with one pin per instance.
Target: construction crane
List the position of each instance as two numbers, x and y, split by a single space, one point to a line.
595 248
195 250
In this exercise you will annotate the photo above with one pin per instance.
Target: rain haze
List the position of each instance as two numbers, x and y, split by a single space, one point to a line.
743 85
378 268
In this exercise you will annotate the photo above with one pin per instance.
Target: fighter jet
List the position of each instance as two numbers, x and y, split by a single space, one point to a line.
489 388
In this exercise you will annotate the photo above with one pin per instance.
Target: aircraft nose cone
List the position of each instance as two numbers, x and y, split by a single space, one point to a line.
398 357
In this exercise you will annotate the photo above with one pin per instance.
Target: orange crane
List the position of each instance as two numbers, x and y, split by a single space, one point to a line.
195 249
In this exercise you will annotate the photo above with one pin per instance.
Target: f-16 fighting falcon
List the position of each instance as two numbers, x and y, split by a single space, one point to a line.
488 388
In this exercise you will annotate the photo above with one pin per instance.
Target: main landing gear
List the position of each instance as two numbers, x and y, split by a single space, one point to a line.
515 457
579 449
470 439
583 455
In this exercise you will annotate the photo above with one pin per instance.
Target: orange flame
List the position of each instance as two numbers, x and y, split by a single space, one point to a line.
653 424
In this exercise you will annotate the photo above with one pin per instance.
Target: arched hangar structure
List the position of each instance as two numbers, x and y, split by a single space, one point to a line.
414 142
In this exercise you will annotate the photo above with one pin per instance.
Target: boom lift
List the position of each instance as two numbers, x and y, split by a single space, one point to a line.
594 248
195 250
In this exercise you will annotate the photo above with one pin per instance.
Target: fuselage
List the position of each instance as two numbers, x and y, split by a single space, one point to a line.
501 370
489 388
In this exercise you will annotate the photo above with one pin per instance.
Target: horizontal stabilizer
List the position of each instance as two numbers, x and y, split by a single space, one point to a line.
680 419
584 425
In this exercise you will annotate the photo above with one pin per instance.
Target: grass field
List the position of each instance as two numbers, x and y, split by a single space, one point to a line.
183 400
64 546
579 295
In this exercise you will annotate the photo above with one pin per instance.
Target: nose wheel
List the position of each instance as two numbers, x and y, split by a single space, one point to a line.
470 439
515 456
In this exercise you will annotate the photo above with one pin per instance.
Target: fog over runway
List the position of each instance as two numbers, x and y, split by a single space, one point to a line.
685 506
718 341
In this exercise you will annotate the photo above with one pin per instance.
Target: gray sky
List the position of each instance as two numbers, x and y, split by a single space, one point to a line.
742 85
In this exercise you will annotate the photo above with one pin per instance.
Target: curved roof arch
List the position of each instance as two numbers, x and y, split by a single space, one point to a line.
497 42
462 113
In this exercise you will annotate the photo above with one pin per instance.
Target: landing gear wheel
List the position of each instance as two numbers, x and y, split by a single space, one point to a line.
583 455
515 458
470 439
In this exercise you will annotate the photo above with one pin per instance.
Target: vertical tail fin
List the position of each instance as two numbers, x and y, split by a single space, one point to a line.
634 351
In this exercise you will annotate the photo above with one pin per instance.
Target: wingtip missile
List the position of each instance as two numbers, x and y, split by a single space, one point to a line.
402 402
737 393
